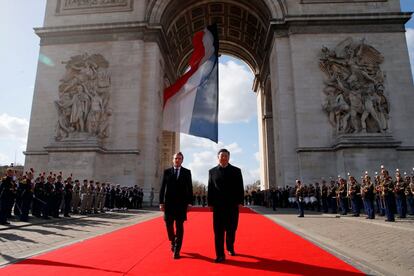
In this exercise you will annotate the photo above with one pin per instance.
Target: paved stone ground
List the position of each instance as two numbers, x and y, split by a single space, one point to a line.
22 240
374 246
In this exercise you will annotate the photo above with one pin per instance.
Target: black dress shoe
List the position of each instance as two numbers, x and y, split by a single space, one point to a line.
300 216
220 259
232 253
176 255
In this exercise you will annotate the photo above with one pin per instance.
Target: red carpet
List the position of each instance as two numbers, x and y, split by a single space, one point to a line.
263 248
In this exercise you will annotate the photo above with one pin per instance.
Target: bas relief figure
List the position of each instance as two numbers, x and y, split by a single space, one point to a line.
84 94
354 89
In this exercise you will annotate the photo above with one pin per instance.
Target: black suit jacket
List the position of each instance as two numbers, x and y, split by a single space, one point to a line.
225 187
176 194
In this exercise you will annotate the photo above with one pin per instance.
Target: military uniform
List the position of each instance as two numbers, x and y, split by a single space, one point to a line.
300 198
354 194
400 198
342 197
25 195
7 194
387 193
409 192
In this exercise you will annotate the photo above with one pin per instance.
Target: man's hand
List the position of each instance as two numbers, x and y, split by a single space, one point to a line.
162 207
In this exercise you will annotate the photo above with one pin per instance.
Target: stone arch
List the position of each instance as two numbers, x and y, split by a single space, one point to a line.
243 27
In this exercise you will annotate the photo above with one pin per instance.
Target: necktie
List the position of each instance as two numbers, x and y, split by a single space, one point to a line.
176 173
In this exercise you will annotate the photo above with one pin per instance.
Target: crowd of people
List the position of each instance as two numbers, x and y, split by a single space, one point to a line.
50 196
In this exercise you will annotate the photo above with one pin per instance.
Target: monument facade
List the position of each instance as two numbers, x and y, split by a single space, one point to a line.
332 79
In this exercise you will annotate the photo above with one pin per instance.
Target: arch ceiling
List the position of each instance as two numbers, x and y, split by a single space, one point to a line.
242 27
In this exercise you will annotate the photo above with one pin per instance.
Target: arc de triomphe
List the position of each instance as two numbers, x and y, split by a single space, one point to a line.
332 78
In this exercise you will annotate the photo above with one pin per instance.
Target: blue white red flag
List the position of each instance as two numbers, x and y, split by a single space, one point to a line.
191 103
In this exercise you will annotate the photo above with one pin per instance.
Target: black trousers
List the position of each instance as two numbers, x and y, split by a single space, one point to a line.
175 235
225 221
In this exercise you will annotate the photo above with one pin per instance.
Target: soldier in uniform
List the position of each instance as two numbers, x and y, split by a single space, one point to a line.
300 197
25 193
68 191
102 195
399 190
342 196
83 196
354 193
76 197
6 195
48 197
324 196
332 196
387 194
90 196
57 196
98 198
367 193
379 199
38 198
409 192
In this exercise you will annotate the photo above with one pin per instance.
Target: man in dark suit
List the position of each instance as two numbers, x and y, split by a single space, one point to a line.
176 196
225 196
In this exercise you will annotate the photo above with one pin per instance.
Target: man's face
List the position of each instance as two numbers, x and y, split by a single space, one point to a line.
223 159
177 160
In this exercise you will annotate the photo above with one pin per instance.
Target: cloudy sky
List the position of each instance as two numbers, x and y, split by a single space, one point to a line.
238 113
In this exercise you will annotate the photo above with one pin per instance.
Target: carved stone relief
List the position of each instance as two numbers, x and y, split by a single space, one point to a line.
92 6
354 89
84 94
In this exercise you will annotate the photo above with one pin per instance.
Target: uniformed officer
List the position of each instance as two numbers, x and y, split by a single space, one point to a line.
300 197
6 195
367 193
342 196
387 193
25 192
67 197
399 190
354 193
76 197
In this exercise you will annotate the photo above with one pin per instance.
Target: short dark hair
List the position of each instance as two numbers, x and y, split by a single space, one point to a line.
179 153
223 150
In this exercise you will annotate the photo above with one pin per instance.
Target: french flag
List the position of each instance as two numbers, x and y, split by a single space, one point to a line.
191 103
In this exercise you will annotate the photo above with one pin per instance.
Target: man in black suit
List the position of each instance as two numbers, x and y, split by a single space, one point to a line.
176 196
225 196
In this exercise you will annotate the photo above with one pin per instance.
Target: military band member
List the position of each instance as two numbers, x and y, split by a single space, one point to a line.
48 197
387 194
68 191
25 193
342 196
84 196
57 196
324 196
409 192
38 197
379 198
354 193
6 195
400 198
76 197
368 195
300 197
332 197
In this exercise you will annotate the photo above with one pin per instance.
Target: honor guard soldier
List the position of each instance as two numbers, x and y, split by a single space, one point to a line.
378 196
342 196
83 196
38 196
6 195
48 197
400 198
354 193
409 192
332 196
387 194
25 193
76 197
324 196
300 198
57 195
68 196
368 195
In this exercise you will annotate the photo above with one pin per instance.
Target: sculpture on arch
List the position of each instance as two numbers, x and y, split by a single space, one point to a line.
84 94
354 90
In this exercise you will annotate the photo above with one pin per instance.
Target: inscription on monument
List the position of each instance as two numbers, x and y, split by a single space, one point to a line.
92 6
84 95
355 101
